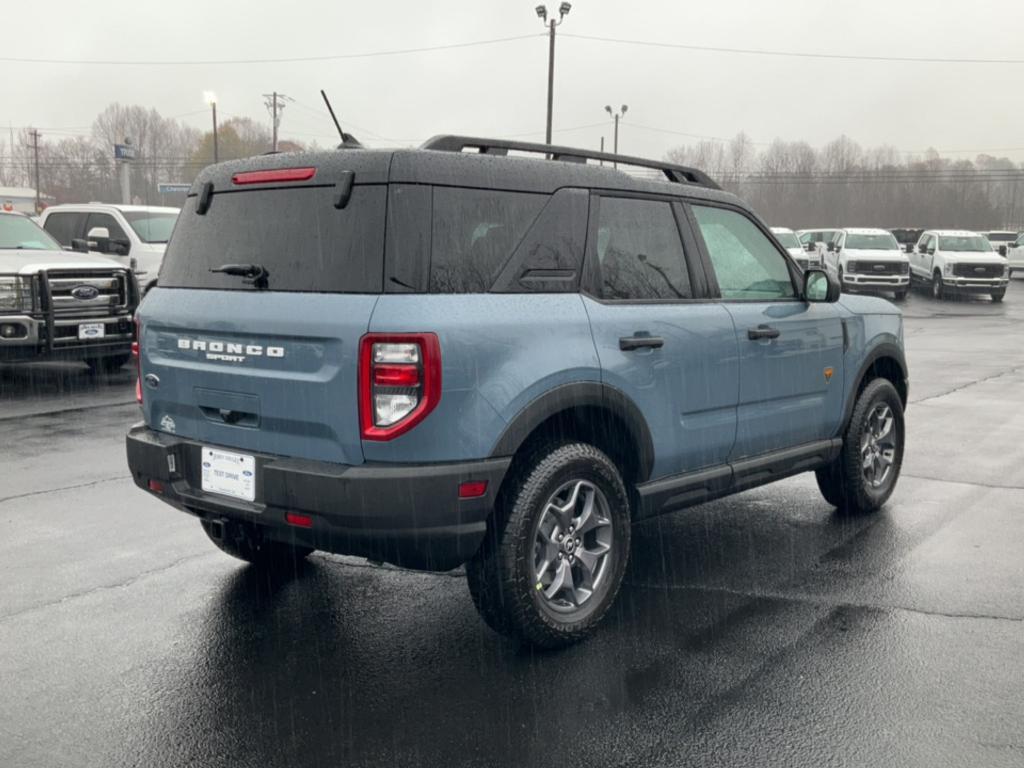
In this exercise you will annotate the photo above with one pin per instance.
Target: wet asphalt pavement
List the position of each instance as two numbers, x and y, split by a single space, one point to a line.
756 630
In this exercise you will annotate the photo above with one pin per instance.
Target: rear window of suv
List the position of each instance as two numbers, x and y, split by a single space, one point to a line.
296 234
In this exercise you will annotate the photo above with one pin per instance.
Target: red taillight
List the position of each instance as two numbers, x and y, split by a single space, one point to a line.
399 382
138 361
275 176
156 486
473 489
300 521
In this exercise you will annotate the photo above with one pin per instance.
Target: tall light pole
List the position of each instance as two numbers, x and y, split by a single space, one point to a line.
542 13
211 98
616 116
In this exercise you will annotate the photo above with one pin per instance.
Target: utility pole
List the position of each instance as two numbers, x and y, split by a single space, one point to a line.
616 116
275 104
35 154
542 13
211 98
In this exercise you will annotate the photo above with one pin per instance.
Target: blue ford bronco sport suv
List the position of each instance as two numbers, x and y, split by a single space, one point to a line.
458 355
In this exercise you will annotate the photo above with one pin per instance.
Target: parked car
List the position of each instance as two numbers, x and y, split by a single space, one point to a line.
1001 240
871 260
1015 256
134 235
498 361
56 305
958 261
906 236
815 242
788 239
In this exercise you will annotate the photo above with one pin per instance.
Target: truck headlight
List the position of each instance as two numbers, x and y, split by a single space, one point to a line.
15 294
947 268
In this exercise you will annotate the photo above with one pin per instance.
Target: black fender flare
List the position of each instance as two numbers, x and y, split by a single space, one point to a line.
580 394
885 349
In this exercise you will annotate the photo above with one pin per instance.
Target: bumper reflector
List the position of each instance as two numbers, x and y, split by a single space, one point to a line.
473 489
156 486
299 521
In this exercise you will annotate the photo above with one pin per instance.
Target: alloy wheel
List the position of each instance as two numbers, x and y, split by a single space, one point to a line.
878 445
572 546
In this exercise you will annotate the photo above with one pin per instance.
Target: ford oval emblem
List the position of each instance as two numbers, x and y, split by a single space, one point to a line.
85 292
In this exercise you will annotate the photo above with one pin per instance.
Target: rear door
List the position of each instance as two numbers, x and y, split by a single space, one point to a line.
791 351
267 369
671 353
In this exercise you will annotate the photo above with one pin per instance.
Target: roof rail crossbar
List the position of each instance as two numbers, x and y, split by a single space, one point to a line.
679 174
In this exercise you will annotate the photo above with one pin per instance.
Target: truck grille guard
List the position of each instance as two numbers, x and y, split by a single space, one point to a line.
117 297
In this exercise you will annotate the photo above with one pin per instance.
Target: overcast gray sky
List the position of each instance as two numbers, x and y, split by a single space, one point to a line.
499 89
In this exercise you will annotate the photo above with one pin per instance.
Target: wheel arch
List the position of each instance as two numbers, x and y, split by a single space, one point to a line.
591 411
887 361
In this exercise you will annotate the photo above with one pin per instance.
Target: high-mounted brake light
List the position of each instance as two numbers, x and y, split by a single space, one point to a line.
271 177
399 382
138 361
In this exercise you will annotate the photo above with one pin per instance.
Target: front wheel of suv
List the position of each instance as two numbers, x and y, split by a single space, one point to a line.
864 475
244 541
557 548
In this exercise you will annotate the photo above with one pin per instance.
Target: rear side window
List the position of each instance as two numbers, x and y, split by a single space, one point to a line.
746 263
473 234
296 234
639 251
64 227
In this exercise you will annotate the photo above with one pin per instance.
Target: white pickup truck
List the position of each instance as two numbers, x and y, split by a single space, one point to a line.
959 261
871 260
134 235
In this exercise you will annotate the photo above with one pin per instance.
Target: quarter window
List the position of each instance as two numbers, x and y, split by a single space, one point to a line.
639 251
746 263
474 233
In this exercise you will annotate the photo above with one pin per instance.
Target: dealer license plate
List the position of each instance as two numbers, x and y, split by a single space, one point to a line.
229 474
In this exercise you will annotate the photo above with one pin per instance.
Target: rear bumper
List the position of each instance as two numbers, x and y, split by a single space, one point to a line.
405 514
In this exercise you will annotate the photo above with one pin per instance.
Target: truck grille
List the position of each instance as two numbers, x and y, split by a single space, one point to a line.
879 267
980 271
87 293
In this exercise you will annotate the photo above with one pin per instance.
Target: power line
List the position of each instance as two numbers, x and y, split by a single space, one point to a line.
793 54
282 60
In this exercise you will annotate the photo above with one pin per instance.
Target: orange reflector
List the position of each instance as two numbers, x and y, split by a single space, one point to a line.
156 486
300 521
473 489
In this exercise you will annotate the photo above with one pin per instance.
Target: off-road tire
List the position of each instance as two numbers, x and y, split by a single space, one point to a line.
938 289
500 576
842 482
244 541
108 365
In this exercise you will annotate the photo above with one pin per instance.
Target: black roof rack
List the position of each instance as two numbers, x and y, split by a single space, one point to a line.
679 174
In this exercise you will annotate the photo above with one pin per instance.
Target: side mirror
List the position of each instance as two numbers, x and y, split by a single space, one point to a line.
98 233
80 245
821 286
909 248
831 247
811 246
1002 250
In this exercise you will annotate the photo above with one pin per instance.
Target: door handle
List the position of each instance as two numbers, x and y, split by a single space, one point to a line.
630 343
762 332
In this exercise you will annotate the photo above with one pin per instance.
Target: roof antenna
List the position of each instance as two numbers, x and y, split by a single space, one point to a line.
348 141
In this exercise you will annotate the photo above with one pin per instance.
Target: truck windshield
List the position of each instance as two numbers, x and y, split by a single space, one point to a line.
964 243
788 239
884 242
20 233
152 226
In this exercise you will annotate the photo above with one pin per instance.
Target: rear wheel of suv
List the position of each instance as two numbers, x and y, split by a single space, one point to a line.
556 552
864 475
938 289
244 541
997 296
107 364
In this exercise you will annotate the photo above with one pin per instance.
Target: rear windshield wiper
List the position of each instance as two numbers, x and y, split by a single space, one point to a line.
253 274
